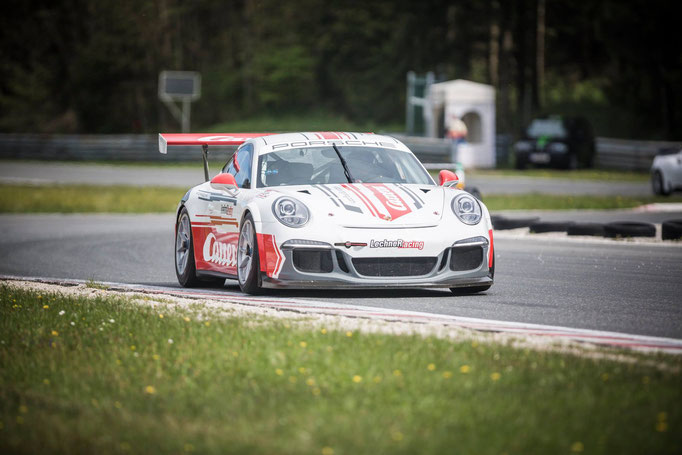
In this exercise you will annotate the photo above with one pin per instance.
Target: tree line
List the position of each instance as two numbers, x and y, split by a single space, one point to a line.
91 66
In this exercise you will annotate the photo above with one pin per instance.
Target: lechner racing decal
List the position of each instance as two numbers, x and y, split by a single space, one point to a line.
400 243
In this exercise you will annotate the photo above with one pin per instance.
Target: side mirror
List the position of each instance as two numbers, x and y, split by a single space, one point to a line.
448 178
224 182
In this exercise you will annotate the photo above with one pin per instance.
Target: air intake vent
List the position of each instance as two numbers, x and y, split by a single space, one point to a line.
465 258
394 266
342 261
313 261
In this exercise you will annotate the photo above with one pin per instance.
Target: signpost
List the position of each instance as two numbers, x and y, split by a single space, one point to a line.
182 86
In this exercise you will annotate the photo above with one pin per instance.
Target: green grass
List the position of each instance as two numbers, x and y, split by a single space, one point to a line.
581 174
87 199
537 201
104 377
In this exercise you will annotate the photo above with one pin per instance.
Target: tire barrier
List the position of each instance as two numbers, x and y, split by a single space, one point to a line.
672 230
502 223
596 229
629 229
553 226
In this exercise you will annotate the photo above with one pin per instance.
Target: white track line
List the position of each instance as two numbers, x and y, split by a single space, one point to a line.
613 339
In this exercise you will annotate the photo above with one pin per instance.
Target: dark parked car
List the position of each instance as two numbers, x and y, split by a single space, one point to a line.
561 142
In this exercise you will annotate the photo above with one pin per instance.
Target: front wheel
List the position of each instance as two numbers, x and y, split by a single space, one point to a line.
248 259
658 185
185 267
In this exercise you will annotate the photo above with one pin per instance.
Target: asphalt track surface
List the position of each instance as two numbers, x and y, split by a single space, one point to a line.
186 177
600 285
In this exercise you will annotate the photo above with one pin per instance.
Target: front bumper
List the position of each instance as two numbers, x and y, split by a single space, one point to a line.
447 271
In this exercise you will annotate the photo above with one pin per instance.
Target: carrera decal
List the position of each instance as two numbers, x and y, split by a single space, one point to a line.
400 243
390 206
334 198
271 259
364 200
490 251
215 251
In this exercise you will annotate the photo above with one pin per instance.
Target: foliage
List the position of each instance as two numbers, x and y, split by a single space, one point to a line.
105 375
92 65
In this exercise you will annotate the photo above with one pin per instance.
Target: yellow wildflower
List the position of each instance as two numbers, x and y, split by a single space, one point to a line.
46 307
150 390
186 319
301 370
279 372
160 315
235 354
46 381
447 374
156 357
23 409
327 451
464 369
376 379
293 379
323 331
397 436
316 391
357 379
397 373
303 344
55 333
207 323
132 347
577 447
661 427
495 376
118 405
349 334
310 381
431 366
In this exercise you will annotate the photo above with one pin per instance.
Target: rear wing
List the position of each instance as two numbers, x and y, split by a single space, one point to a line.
204 140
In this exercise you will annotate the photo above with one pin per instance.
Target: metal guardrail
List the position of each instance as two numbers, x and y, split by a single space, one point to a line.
611 153
629 155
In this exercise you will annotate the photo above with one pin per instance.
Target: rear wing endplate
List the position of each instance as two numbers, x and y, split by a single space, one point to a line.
204 140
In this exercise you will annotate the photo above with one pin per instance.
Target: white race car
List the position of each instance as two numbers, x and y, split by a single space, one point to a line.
328 210
666 172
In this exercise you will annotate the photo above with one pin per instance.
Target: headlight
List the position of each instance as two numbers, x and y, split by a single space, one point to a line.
558 147
467 209
290 212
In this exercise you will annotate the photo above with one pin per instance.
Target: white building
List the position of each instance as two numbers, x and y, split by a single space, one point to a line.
474 104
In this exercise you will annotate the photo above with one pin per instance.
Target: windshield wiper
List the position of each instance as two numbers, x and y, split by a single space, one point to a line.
344 164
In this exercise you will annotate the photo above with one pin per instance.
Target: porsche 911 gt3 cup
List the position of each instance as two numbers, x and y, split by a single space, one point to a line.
329 210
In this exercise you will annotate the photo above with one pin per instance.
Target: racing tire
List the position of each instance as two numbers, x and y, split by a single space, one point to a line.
502 223
185 265
554 226
658 185
248 258
629 229
476 289
596 229
671 230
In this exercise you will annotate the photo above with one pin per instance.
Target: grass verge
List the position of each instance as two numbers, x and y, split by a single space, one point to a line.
126 199
105 375
87 199
537 201
601 175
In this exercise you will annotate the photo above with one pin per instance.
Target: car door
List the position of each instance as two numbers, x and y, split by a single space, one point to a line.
218 252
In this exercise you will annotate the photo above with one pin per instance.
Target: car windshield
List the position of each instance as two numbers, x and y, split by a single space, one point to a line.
547 127
322 165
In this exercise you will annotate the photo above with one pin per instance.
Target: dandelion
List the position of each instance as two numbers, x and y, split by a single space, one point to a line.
357 379
303 344
170 341
447 374
661 427
301 370
293 379
577 447
45 307
431 366
279 372
207 323
55 333
160 315
186 319
118 405
310 381
397 373
61 313
316 391
40 296
132 347
111 321
349 334
495 376
150 390
327 451
397 436
46 381
323 331
464 369
156 357
376 379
